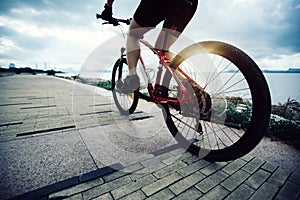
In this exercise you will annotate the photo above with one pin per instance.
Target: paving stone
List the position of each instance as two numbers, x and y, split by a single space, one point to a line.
266 192
77 189
295 178
278 177
191 159
212 168
138 195
74 197
185 171
289 191
258 178
211 181
242 192
164 194
178 151
247 157
235 180
106 187
106 196
189 194
171 160
217 193
161 183
186 183
123 172
234 166
253 165
99 173
135 160
269 167
169 169
151 161
133 186
147 170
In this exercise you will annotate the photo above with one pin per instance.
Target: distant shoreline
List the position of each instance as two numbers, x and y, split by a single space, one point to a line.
290 70
279 72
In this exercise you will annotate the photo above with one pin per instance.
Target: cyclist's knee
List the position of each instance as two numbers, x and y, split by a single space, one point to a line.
137 31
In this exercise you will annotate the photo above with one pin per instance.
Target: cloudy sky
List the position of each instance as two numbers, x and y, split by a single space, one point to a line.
61 34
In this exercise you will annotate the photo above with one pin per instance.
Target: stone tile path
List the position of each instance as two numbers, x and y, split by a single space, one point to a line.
60 140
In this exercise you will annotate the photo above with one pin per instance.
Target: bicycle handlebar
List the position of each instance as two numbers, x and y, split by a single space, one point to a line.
114 21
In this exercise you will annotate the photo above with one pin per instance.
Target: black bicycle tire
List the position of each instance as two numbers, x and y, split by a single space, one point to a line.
260 97
119 65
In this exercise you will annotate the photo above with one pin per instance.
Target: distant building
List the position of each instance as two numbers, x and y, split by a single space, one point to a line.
12 65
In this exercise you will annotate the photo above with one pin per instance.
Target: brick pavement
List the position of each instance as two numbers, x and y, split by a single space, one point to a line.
186 177
59 140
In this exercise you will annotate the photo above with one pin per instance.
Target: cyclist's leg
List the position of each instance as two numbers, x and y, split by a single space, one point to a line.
148 14
136 32
177 19
178 16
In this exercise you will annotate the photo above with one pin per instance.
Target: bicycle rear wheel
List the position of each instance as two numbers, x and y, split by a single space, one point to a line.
239 101
125 103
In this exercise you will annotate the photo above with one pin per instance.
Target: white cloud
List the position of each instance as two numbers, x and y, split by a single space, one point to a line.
28 11
259 27
23 27
280 62
6 45
68 45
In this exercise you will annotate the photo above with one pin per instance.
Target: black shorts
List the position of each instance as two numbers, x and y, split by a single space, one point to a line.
174 13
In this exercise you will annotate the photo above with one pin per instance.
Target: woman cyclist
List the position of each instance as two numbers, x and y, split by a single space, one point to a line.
176 14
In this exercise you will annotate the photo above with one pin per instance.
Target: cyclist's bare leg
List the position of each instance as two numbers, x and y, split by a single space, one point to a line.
133 45
170 42
136 32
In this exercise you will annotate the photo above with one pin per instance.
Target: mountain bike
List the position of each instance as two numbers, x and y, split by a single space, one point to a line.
218 109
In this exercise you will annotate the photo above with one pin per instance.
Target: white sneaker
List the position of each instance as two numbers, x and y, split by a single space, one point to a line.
130 83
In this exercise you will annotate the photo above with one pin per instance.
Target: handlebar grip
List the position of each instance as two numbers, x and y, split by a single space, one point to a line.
114 21
126 21
98 16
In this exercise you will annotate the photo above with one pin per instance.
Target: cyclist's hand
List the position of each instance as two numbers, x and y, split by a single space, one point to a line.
107 13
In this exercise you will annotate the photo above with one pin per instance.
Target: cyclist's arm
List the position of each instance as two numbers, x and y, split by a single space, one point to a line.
109 3
107 12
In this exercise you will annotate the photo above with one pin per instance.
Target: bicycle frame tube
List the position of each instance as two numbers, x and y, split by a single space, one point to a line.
164 61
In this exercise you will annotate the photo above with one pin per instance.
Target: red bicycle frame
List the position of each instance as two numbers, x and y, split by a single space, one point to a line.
184 96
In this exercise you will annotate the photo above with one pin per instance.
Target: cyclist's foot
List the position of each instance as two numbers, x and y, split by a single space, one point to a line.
130 83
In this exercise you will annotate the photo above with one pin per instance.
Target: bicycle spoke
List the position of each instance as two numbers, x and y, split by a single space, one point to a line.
228 80
205 130
224 132
184 122
217 135
214 134
234 84
232 91
218 75
211 77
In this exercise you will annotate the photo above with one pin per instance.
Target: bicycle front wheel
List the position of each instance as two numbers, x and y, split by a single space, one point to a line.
239 102
125 103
